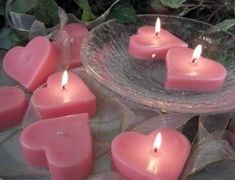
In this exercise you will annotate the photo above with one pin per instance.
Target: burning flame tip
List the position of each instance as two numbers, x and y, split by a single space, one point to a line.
158 26
197 52
157 142
64 80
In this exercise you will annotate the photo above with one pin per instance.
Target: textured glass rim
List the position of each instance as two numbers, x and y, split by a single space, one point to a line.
153 104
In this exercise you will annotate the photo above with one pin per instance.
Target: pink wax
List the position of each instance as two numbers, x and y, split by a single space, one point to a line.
76 32
147 45
13 104
54 100
134 156
202 75
63 145
31 65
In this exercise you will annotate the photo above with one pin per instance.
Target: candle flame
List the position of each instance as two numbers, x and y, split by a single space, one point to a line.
157 26
64 80
197 52
158 141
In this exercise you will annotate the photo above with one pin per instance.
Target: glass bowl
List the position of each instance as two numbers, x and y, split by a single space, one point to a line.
104 55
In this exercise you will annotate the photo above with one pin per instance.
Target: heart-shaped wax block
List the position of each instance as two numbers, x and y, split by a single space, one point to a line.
202 75
54 101
76 32
134 155
62 144
31 65
13 104
146 45
68 43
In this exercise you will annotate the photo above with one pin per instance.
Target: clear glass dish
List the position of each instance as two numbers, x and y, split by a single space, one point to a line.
105 57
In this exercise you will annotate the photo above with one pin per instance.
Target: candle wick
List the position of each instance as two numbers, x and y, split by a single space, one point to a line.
59 133
194 59
63 87
157 34
155 149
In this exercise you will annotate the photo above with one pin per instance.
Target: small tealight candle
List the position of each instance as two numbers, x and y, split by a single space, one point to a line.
153 42
63 145
188 70
64 94
160 155
13 105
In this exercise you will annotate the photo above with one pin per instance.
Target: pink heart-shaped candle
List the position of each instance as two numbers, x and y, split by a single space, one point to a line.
76 32
63 145
201 75
160 155
54 100
31 65
149 46
13 104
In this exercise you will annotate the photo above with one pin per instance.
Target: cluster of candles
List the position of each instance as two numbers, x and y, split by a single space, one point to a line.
186 68
61 141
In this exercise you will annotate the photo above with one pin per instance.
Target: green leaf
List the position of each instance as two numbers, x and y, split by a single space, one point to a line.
5 41
87 14
172 3
226 24
123 12
47 11
23 6
2 11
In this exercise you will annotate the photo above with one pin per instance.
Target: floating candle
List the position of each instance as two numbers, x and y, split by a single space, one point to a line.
61 144
13 104
160 155
32 64
188 70
64 96
153 42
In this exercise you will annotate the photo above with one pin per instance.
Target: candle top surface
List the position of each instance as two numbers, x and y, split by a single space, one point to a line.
137 151
146 35
180 62
31 63
55 94
28 55
66 140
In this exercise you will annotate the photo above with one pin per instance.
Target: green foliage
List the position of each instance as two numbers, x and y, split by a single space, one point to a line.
2 9
172 3
123 12
5 42
218 12
47 12
28 5
226 24
87 14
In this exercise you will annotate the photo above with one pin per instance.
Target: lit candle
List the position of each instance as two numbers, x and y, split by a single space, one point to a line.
13 104
188 70
160 155
153 42
64 94
32 64
63 145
